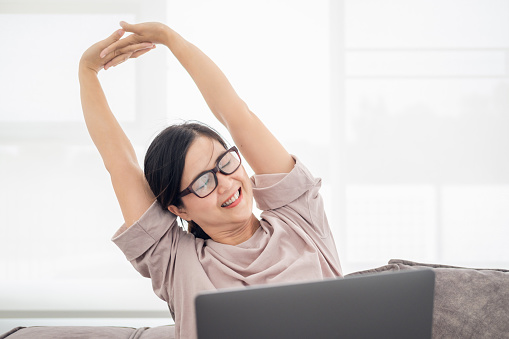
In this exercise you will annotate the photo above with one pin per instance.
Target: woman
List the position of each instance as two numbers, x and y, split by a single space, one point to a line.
190 173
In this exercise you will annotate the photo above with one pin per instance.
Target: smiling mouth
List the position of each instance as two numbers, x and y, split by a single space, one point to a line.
232 200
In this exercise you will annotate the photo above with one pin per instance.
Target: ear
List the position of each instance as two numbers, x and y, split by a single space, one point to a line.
179 212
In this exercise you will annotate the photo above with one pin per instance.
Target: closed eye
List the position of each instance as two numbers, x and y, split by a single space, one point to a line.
201 183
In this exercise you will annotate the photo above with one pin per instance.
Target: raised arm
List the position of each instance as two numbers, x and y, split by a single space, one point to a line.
132 191
260 148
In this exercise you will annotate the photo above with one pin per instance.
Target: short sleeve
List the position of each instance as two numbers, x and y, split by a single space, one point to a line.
272 191
295 196
150 244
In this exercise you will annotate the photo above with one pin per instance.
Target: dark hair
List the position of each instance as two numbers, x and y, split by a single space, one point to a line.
165 160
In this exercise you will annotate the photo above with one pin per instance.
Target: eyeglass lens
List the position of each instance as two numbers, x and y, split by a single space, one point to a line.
206 183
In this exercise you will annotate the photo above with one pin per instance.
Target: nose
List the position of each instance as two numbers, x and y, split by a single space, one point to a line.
224 183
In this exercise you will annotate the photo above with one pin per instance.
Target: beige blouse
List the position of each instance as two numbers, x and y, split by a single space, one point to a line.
293 244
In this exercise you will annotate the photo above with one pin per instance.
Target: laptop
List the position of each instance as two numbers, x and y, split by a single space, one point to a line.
382 305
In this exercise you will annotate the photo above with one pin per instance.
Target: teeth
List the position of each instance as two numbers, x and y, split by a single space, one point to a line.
232 200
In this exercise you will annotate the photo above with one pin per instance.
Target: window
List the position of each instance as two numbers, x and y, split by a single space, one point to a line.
425 175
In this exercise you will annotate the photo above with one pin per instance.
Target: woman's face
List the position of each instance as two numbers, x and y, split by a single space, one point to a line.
210 212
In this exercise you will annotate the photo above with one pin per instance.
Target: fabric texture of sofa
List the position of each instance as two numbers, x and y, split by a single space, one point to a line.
92 332
469 303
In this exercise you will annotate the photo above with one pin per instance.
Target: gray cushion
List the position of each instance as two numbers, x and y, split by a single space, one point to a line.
86 332
469 303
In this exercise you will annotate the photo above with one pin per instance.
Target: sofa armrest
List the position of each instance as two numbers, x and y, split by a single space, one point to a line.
469 302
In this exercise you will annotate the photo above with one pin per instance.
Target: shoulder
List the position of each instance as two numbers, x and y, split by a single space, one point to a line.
156 225
293 199
272 191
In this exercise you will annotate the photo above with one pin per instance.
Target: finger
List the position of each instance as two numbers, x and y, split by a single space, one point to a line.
133 48
117 61
115 36
112 39
130 40
141 52
118 54
111 58
128 27
122 58
108 49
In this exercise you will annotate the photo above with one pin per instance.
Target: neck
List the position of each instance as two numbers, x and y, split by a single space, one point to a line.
239 234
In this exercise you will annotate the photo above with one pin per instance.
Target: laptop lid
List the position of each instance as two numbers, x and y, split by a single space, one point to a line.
382 305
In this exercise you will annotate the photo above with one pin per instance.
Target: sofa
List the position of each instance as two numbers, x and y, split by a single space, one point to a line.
469 303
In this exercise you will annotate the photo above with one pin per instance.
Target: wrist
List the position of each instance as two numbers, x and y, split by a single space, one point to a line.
170 37
86 74
84 68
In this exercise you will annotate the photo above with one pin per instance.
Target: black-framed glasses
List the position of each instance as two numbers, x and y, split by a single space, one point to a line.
206 182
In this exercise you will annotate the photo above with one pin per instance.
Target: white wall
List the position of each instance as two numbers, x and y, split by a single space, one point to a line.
400 106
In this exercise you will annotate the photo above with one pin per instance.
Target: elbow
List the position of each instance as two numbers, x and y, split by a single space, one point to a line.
237 113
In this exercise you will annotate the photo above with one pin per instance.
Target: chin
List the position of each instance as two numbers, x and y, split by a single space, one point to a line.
245 208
